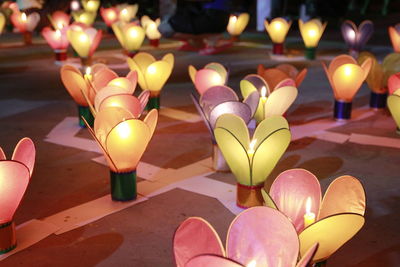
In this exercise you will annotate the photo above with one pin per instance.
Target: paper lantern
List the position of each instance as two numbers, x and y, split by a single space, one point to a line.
58 41
2 22
236 25
356 38
257 237
151 28
130 36
251 161
127 12
211 75
345 77
339 216
84 40
311 32
85 17
282 72
152 74
25 24
75 5
90 5
59 20
393 103
277 30
393 83
272 102
109 15
394 34
219 100
123 139
14 179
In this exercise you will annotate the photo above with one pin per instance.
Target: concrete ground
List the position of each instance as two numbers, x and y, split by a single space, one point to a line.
33 101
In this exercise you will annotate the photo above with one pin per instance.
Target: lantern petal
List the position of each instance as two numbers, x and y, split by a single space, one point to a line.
234 153
344 195
194 237
95 42
252 83
252 101
32 21
206 78
102 77
143 61
133 78
366 29
307 257
211 260
290 192
273 77
289 69
127 102
14 180
391 65
25 153
269 126
203 115
135 67
74 83
192 73
2 154
127 142
123 83
263 235
235 125
151 120
169 58
268 201
375 75
106 92
393 103
216 95
330 233
157 74
280 100
393 83
144 98
230 107
285 82
219 68
300 77
346 86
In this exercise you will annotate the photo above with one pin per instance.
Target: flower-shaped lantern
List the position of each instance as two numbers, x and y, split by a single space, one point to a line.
151 29
123 139
59 20
90 5
257 237
130 36
58 41
85 17
330 222
394 34
311 32
281 72
277 30
14 179
275 101
236 25
211 75
127 12
219 100
393 103
393 83
25 24
251 161
345 77
152 74
356 38
109 15
84 40
3 21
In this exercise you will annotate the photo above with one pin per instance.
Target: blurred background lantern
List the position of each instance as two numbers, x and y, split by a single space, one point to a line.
393 103
211 75
59 20
127 12
151 29
25 24
109 15
130 36
236 25
345 77
277 30
356 38
90 5
311 32
58 41
84 17
394 34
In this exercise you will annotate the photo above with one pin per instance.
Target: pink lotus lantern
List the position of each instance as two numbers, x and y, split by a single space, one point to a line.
25 24
109 15
212 74
84 40
394 83
356 38
14 179
59 20
257 237
58 41
151 29
330 222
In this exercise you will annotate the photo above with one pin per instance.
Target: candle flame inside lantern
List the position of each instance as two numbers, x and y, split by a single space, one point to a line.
151 69
83 38
234 19
74 5
111 15
347 71
312 33
124 12
309 217
351 34
23 17
60 25
278 25
123 130
264 94
308 205
251 150
91 4
58 34
133 33
252 263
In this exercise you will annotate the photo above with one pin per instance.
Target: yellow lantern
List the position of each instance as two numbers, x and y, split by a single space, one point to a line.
394 34
151 28
152 74
123 139
272 102
127 12
345 77
393 103
237 24
311 32
2 22
91 5
277 30
129 35
251 161
84 17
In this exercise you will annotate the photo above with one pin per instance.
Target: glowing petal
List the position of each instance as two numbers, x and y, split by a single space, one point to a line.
25 153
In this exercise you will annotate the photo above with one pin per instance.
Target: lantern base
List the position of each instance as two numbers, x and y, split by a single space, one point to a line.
218 161
86 62
27 38
378 100
60 55
154 102
249 196
85 112
131 53
155 42
123 186
342 110
310 53
235 38
320 264
8 238
277 49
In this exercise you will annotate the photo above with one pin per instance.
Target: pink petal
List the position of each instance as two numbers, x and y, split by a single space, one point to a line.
206 78
393 83
25 153
128 102
305 260
102 77
263 235
133 77
2 154
194 237
344 195
96 42
290 191
211 261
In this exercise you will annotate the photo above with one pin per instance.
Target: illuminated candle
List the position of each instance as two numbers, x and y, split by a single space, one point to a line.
277 30
356 37
309 217
130 36
237 24
264 94
311 32
88 74
58 41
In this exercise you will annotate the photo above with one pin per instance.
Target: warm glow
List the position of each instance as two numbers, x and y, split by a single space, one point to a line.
252 263
216 79
23 17
309 217
351 34
74 5
308 205
58 34
88 74
277 29
133 32
347 70
251 150
124 12
237 24
91 4
278 25
123 130
60 25
233 19
263 91
83 38
111 15
151 69
312 32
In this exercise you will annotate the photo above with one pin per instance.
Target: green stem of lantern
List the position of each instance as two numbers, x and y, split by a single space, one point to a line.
154 102
123 186
85 112
310 53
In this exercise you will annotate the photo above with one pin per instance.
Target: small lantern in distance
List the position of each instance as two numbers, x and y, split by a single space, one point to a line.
394 34
236 25
25 24
151 29
277 30
311 32
356 38
130 36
